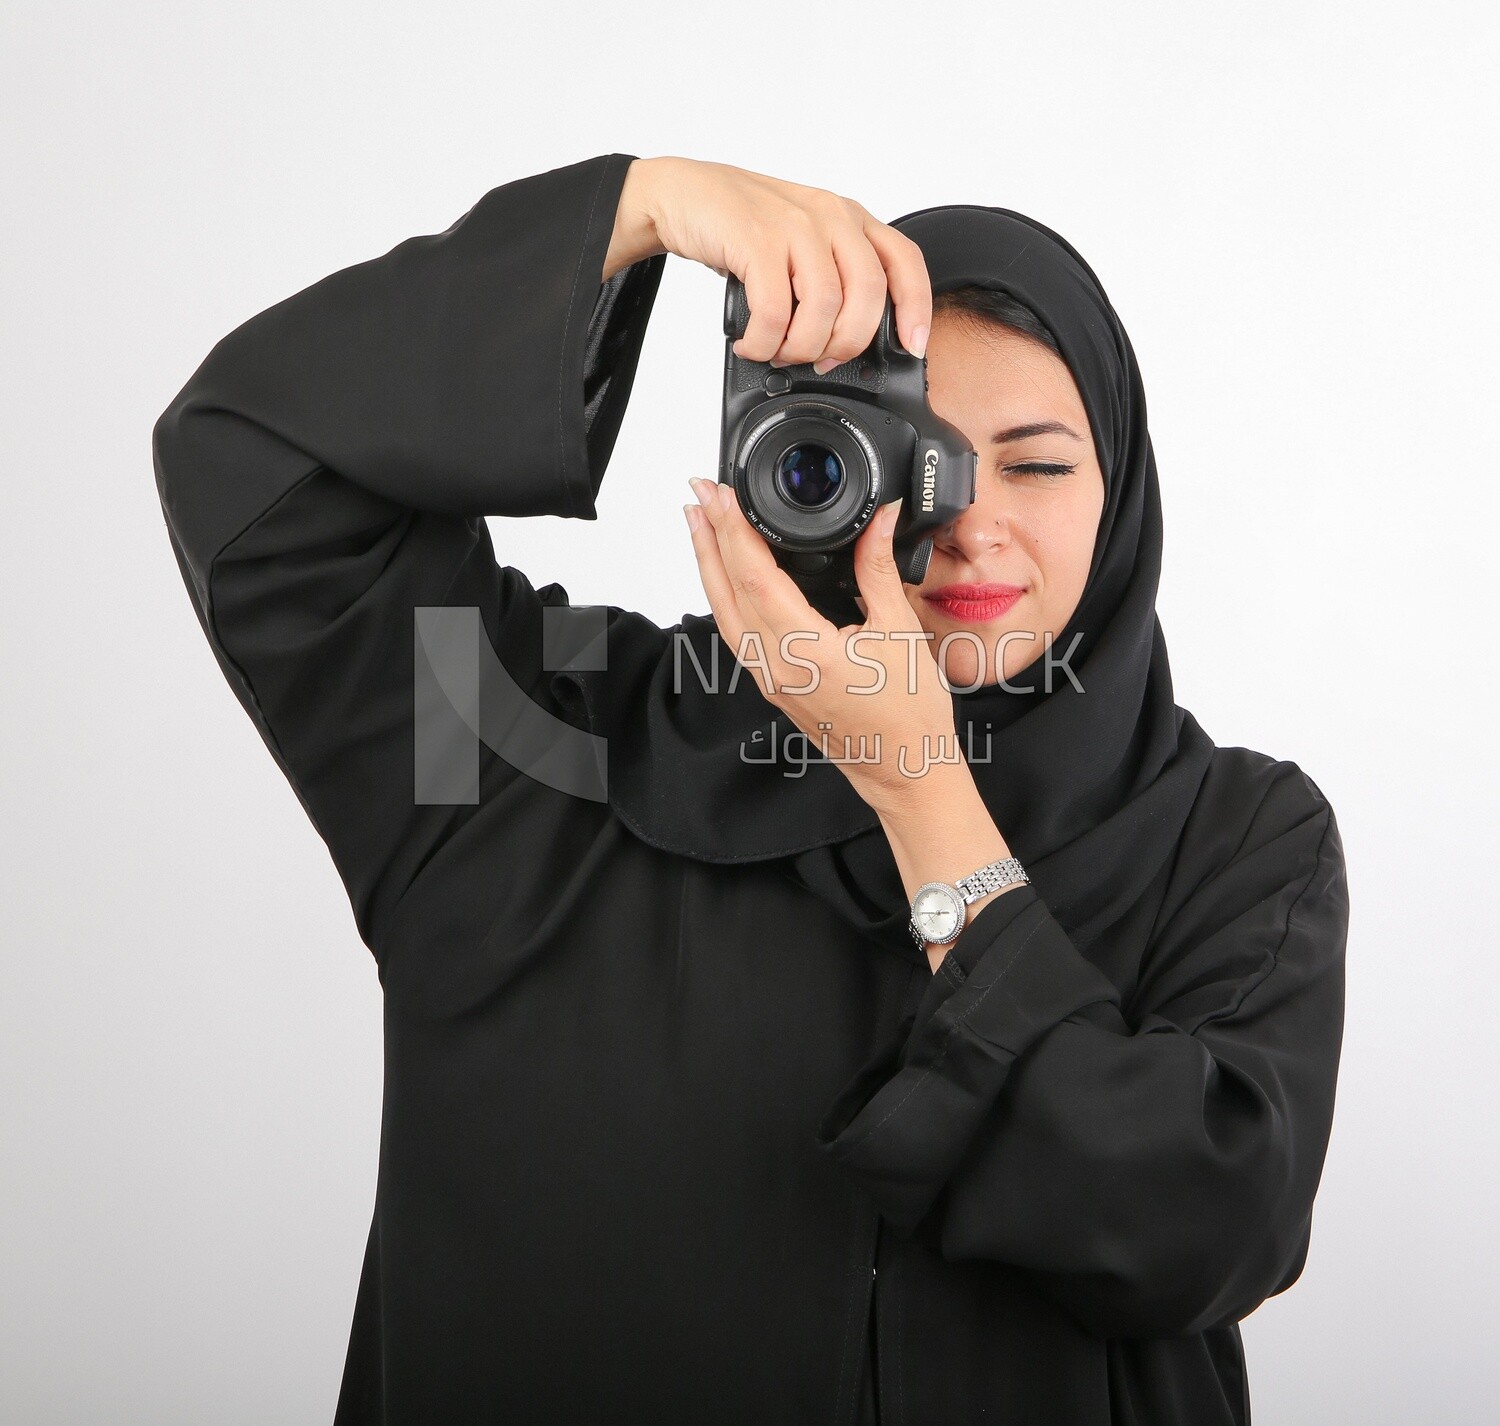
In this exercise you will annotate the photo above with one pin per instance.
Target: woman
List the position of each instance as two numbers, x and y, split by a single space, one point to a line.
681 1123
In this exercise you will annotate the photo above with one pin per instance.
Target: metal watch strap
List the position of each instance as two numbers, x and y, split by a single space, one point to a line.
1005 872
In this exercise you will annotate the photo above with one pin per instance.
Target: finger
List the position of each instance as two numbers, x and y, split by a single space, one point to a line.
768 294
863 280
716 583
820 296
908 280
876 572
766 595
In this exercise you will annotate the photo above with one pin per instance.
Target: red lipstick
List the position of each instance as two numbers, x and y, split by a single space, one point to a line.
975 603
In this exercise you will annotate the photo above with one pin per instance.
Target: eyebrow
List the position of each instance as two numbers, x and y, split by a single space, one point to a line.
1035 428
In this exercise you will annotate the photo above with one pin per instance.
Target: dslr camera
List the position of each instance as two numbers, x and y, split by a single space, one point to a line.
812 458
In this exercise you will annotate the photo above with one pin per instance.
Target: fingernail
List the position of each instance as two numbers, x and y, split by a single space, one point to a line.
703 489
726 496
694 515
826 365
892 513
919 341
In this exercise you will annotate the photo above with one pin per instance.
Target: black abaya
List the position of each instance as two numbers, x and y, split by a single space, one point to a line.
675 1114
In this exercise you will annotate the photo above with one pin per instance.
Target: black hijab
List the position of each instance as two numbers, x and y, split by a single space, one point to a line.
1090 790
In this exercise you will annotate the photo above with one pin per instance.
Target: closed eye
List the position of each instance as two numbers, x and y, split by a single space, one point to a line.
1050 469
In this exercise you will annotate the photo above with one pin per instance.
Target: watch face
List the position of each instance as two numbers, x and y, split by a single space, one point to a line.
936 910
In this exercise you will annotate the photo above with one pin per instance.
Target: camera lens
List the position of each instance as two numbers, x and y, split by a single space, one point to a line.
809 475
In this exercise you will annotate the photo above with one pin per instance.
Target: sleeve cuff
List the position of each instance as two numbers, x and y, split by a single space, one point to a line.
601 345
484 370
904 1124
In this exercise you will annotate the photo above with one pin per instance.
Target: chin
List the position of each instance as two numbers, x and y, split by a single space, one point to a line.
962 680
961 666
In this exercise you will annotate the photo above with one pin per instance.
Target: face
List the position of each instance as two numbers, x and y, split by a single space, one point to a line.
1038 497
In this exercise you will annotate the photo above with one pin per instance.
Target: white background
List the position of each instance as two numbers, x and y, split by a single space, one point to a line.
1292 209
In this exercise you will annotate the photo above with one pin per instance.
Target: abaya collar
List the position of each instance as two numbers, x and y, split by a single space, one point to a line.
1090 790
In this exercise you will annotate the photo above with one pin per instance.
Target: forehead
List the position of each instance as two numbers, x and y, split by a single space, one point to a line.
983 367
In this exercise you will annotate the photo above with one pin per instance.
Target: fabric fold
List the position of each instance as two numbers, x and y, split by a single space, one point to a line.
905 1124
1152 1170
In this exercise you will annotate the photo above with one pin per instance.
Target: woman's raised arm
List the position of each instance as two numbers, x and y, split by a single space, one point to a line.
326 470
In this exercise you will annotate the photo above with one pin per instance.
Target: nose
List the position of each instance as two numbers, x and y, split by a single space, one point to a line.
984 526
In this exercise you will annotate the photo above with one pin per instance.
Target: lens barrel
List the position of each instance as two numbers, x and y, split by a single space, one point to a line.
810 474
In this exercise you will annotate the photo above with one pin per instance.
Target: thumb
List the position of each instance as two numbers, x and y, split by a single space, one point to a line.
876 574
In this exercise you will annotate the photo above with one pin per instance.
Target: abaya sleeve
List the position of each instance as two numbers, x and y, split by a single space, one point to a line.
327 468
1152 1172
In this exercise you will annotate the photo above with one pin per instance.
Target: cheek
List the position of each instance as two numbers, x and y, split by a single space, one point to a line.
1080 544
1064 546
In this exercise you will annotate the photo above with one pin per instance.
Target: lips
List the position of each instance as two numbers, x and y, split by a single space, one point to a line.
975 603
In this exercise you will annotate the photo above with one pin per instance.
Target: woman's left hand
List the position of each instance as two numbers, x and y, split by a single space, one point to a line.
904 713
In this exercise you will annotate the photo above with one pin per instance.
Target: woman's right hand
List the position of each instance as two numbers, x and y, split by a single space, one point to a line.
784 241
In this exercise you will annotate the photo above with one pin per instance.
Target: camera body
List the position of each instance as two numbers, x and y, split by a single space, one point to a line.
812 458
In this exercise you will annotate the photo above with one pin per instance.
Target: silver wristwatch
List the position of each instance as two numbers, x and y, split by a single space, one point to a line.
937 910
